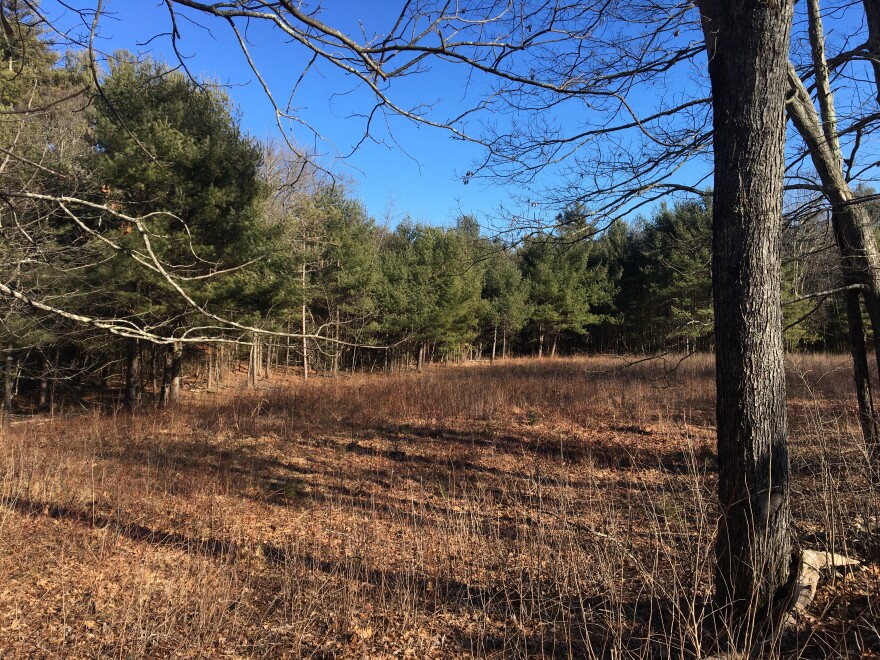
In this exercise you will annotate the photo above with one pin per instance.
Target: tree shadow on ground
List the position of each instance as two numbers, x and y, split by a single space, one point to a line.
565 625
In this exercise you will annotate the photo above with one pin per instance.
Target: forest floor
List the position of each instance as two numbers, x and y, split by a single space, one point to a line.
529 508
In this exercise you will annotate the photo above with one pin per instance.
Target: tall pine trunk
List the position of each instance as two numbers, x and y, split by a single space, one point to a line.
747 44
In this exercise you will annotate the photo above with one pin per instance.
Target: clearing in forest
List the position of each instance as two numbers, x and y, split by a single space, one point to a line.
531 507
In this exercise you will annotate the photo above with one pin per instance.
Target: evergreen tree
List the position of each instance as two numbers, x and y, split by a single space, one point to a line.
676 271
566 286
169 150
41 94
506 294
431 294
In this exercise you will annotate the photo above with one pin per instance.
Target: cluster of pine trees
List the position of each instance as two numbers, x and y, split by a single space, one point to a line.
140 225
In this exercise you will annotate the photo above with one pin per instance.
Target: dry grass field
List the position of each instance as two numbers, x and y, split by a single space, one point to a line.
554 508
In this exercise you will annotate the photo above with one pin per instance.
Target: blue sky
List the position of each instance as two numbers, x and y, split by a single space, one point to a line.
407 169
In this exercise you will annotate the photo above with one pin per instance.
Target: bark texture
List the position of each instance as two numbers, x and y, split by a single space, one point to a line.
747 43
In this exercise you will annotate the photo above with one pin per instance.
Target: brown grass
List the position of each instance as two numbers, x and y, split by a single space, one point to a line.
532 508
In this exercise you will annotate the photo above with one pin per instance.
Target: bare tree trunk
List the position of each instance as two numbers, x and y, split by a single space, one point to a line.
56 359
252 363
164 395
861 374
209 372
153 371
43 394
142 361
541 342
494 342
421 360
267 371
176 366
305 344
747 45
336 348
171 375
132 374
853 232
287 350
8 379
856 331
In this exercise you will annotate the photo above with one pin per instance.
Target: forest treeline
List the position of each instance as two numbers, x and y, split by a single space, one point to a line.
143 229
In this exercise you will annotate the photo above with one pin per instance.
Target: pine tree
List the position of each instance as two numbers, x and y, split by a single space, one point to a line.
676 270
566 286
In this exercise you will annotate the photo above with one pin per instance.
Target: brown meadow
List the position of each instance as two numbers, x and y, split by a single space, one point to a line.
555 508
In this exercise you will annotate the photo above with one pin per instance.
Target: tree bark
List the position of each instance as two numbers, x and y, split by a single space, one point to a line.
132 374
747 44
